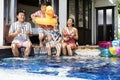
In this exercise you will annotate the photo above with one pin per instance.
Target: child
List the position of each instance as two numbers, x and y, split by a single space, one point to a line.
53 41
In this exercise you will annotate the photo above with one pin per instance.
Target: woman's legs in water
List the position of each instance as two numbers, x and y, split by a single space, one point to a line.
69 49
64 51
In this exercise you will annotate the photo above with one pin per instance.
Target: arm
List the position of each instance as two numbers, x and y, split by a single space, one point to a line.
64 38
13 32
76 34
12 35
34 15
29 29
59 39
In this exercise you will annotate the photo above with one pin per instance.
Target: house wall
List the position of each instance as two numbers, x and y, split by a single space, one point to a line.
71 7
62 14
103 3
29 10
96 3
93 23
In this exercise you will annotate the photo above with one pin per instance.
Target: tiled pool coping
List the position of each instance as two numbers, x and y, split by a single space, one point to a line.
5 51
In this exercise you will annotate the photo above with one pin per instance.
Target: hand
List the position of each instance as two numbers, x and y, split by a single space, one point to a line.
27 32
72 35
66 38
33 19
19 31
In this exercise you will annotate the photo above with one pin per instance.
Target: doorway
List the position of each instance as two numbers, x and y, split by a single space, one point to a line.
81 10
105 24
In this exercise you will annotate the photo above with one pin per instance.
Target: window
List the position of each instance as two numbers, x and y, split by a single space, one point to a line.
100 17
109 16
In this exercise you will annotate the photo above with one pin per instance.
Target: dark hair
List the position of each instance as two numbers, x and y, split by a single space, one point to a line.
48 3
21 11
43 4
72 21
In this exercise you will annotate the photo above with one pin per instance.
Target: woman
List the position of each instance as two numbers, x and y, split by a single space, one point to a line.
69 35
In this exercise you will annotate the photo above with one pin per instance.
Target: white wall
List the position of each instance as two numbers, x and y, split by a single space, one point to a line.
93 23
1 21
13 8
103 3
62 14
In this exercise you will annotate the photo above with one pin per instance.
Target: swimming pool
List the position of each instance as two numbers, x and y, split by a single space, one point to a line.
64 68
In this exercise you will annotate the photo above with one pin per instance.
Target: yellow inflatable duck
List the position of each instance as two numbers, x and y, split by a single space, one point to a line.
49 19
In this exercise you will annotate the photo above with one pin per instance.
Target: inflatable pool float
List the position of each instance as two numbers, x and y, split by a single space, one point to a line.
104 44
49 17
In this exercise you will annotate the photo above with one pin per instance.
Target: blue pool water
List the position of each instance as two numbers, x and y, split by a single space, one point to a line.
90 68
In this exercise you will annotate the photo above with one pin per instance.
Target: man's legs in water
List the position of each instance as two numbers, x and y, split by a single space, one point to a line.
15 49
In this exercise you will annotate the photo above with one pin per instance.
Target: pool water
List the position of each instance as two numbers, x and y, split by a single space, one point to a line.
89 68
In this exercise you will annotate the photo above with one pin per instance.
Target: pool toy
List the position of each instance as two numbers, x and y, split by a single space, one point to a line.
105 52
104 44
112 46
116 43
118 51
113 51
49 17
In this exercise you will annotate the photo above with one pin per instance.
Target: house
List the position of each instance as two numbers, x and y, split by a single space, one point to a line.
96 20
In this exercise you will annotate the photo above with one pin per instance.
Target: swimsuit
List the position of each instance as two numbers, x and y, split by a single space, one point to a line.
68 33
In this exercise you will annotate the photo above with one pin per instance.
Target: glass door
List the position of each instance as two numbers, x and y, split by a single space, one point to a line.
105 24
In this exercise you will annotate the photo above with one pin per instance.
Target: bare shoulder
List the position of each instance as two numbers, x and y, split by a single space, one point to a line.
75 28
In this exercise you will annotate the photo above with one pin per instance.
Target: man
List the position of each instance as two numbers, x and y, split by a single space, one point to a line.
43 30
20 31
